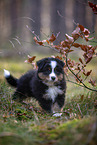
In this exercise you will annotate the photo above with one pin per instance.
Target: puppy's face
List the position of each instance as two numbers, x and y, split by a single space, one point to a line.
50 70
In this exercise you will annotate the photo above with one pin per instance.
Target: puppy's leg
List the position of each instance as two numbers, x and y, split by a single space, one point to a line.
58 105
56 110
46 105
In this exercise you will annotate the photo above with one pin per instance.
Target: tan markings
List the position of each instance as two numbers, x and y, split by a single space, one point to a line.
60 77
42 76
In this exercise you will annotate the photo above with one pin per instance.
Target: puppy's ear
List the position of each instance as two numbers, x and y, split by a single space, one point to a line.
60 62
41 63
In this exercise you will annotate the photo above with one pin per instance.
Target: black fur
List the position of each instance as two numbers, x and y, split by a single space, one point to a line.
31 85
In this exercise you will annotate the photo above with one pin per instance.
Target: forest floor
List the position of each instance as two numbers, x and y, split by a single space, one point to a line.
27 124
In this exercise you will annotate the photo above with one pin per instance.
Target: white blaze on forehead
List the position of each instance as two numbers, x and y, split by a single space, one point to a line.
53 65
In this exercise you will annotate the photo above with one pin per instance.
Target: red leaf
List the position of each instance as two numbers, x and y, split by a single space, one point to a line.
38 42
75 33
30 59
47 41
81 27
82 97
52 38
69 38
59 57
92 82
86 31
93 6
89 72
65 43
35 39
76 45
84 47
57 47
87 59
81 60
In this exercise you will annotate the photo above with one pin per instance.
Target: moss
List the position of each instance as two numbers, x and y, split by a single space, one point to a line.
75 132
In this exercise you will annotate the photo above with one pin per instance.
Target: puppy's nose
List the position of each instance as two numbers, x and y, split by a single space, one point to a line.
53 78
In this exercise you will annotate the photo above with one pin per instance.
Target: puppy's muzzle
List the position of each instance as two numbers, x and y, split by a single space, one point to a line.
53 78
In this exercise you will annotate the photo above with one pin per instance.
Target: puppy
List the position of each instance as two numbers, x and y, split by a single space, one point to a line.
46 84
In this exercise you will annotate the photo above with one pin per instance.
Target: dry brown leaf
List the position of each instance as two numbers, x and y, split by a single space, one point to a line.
30 59
52 38
81 60
92 82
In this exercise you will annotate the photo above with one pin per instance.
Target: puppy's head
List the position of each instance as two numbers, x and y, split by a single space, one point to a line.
50 70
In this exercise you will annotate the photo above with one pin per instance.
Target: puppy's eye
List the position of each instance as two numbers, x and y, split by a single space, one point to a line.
46 70
58 70
49 68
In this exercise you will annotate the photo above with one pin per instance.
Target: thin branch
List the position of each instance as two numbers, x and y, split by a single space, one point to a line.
23 40
12 43
65 17
80 70
75 83
17 40
79 110
28 18
78 78
33 32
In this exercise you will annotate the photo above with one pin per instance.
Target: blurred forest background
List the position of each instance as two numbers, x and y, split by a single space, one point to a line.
43 17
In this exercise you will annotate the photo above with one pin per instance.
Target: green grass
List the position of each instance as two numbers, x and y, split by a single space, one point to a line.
27 124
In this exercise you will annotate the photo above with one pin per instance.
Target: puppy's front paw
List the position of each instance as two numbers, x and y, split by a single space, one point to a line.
57 114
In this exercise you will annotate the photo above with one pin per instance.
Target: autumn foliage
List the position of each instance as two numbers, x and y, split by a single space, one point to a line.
94 7
69 44
65 47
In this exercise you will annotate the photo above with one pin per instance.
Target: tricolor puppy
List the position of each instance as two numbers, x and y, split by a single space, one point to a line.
46 84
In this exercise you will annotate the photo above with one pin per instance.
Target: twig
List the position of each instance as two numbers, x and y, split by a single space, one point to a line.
23 40
12 43
28 18
33 32
65 17
79 79
76 75
75 83
17 40
79 110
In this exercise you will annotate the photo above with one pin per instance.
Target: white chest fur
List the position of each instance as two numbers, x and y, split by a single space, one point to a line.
52 93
